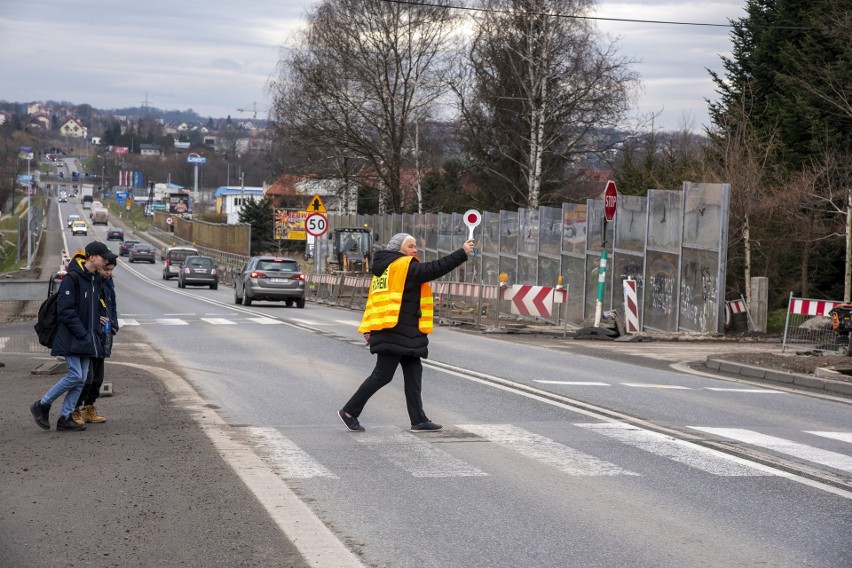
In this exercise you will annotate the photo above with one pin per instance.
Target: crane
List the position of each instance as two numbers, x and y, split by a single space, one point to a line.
252 110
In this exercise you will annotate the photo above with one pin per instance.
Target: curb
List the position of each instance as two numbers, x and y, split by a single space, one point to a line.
809 381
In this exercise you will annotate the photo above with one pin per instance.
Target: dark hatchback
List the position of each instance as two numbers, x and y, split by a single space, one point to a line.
115 234
142 253
270 278
198 271
124 248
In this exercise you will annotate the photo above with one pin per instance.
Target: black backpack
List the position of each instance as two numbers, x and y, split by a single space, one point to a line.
48 319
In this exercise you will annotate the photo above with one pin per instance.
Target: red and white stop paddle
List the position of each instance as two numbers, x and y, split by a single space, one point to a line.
472 218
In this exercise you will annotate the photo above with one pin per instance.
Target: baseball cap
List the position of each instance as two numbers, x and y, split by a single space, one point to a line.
97 248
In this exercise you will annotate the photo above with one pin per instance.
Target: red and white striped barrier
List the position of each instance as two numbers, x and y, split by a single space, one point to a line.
631 306
531 300
489 292
808 307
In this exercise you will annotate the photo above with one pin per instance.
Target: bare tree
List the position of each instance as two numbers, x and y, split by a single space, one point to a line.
537 87
361 75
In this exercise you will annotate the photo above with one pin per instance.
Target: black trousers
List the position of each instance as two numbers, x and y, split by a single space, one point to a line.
93 382
386 364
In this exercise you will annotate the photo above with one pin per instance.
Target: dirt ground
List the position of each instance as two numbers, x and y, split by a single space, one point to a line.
802 362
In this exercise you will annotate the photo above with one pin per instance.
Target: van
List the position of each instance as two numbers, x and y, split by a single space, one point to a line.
173 259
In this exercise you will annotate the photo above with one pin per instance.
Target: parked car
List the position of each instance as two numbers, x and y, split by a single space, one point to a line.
142 252
115 234
173 259
270 278
72 218
79 228
124 248
198 271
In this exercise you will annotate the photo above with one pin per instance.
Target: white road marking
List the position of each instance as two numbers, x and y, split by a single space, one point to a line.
181 314
126 322
780 445
573 383
310 322
218 321
705 459
530 445
265 321
417 455
650 386
842 436
284 456
3 341
758 391
353 323
171 321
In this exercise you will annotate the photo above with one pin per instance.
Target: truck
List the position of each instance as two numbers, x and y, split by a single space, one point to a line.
100 216
351 250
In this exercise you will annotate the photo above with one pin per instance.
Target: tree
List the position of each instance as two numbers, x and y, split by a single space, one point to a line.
783 82
537 86
364 72
259 215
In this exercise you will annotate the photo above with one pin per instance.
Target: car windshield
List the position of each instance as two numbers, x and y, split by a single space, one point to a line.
142 248
278 265
178 256
205 262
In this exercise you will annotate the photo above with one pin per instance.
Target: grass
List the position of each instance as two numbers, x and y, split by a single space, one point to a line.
9 250
133 218
775 320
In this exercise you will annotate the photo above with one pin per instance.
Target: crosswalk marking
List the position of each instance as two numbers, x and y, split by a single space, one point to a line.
353 323
562 457
171 321
705 459
219 321
780 445
126 322
574 383
841 436
288 459
417 456
265 321
651 386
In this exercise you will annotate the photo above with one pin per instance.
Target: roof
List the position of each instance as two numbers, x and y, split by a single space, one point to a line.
237 190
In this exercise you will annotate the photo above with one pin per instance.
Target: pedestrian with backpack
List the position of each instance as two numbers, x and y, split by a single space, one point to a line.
78 335
85 410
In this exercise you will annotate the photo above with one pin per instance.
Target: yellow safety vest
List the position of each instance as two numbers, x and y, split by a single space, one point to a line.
385 299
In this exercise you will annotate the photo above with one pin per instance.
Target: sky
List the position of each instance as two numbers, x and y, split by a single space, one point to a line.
217 57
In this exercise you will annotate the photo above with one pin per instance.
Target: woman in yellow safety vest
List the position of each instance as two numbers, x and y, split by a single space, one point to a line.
396 322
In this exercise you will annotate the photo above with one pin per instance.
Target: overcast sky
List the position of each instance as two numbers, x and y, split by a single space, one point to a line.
217 56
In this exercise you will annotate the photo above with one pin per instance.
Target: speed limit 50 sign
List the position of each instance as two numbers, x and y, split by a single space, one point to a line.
316 224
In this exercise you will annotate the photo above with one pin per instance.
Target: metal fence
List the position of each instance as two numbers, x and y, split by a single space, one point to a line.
672 243
808 326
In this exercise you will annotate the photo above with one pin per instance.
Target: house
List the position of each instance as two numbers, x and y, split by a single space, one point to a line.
150 150
73 128
37 122
230 200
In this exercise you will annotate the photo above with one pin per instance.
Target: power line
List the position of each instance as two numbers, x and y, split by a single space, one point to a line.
576 17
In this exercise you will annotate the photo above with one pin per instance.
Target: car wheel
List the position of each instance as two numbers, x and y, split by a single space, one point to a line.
300 303
289 303
246 299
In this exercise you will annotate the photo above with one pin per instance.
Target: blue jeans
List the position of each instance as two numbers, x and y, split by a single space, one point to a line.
72 383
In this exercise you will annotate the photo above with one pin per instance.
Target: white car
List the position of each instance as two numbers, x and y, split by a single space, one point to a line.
72 218
79 228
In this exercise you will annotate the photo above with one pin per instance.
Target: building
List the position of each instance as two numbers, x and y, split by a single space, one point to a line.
150 150
230 200
73 128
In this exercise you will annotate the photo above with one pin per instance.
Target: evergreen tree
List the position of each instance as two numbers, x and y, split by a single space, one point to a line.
259 215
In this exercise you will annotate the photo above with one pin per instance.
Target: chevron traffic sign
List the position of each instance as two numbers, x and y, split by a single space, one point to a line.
530 300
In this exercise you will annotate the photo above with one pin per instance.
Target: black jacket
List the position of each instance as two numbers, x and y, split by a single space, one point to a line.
405 338
78 304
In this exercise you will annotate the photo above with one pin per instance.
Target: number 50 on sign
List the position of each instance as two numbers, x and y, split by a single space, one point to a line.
316 224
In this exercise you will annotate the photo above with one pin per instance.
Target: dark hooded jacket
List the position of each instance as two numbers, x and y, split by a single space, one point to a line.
405 338
109 310
78 305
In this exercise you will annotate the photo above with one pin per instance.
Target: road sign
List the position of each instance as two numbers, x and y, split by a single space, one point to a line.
316 205
316 224
610 200
472 218
169 220
530 300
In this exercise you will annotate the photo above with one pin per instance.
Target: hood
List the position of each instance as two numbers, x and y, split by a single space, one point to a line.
76 265
382 259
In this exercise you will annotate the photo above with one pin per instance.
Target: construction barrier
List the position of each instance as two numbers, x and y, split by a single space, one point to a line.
737 316
631 306
808 324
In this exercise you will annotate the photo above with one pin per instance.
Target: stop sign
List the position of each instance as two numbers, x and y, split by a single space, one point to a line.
610 200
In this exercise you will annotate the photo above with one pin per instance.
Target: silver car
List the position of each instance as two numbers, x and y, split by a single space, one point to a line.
270 278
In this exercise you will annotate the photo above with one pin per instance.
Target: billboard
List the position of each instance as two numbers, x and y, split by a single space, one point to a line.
179 203
290 225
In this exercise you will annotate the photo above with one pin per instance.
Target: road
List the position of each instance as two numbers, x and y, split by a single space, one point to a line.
550 456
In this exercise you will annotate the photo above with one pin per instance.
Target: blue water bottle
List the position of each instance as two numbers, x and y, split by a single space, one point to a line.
107 326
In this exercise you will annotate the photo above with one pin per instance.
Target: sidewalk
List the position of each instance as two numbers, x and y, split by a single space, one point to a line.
146 488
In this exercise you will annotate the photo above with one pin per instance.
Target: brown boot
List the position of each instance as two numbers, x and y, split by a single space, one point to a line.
77 416
90 414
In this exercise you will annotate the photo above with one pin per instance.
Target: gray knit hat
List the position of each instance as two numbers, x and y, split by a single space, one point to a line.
395 244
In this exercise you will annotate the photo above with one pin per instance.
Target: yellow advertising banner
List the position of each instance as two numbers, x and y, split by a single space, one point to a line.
290 225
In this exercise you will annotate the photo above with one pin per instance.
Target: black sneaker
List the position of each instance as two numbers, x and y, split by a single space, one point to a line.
427 426
40 414
350 421
67 423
